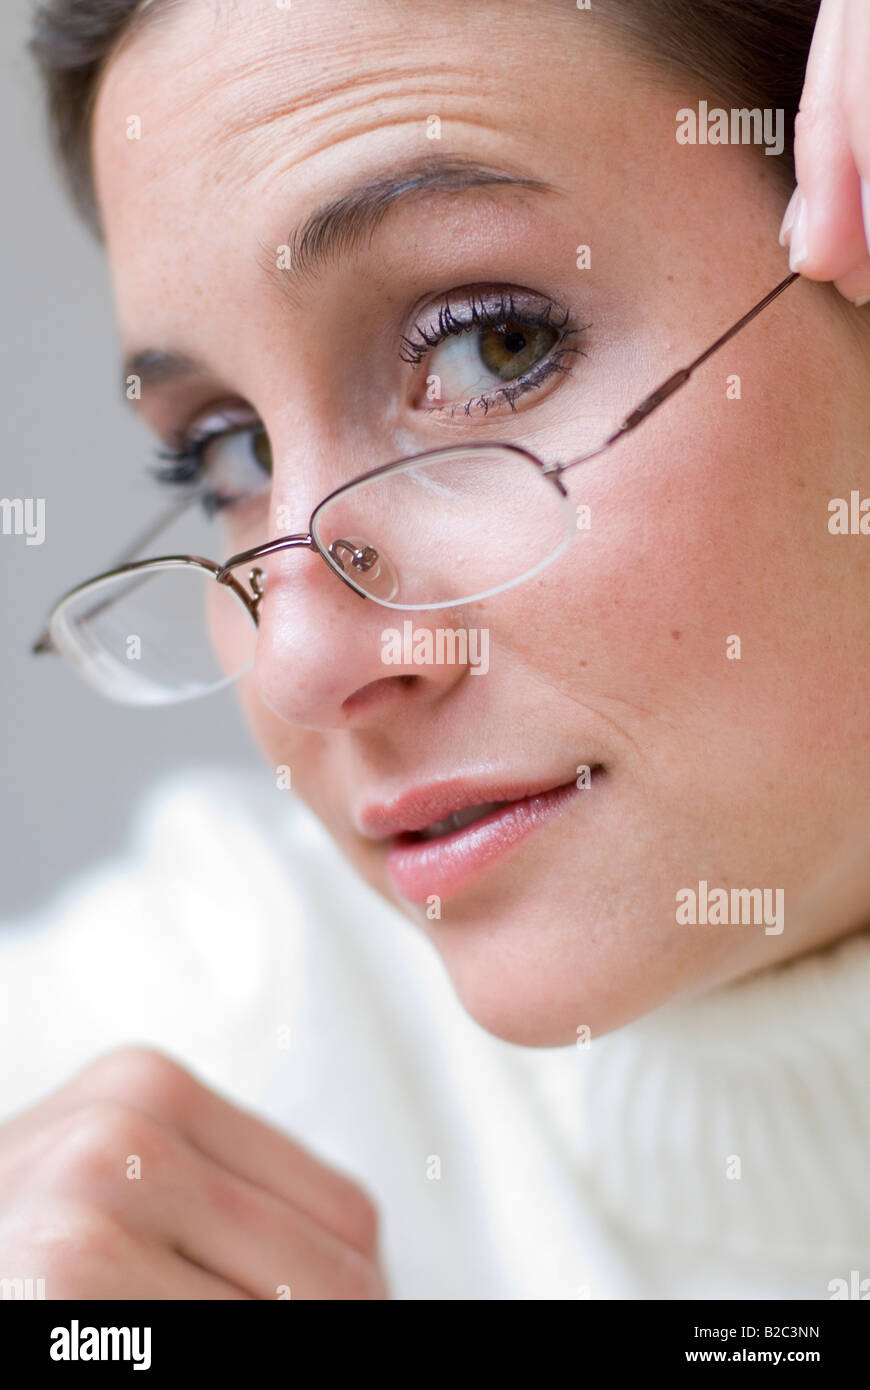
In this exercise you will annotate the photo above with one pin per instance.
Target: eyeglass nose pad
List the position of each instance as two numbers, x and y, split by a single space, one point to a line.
257 581
369 567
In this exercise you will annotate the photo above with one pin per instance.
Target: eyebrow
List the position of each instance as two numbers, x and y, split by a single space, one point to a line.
338 228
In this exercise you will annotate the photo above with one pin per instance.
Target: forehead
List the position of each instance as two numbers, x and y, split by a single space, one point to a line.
252 89
232 99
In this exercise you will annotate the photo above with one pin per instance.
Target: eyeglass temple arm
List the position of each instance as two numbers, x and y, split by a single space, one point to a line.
679 378
43 642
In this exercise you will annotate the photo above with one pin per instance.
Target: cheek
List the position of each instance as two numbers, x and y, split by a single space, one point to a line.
283 744
694 610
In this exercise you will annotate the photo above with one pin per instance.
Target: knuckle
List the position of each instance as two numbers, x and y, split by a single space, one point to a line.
141 1075
70 1239
229 1198
95 1141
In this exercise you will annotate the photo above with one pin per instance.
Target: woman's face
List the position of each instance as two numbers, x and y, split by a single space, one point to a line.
709 523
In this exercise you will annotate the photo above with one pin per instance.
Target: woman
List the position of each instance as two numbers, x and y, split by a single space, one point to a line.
342 236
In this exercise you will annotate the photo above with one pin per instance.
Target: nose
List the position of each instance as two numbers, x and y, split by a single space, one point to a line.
327 658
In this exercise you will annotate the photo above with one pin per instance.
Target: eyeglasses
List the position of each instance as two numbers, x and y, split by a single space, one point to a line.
439 529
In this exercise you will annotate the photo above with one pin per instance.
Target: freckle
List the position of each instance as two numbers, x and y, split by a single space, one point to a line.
675 634
670 279
583 663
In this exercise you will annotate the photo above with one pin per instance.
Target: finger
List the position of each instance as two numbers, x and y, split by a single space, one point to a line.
269 1247
231 1137
826 235
86 1255
856 101
178 1199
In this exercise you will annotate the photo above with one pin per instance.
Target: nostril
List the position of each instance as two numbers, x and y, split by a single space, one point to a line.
380 690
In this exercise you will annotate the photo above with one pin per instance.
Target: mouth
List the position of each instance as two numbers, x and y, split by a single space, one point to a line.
457 820
438 846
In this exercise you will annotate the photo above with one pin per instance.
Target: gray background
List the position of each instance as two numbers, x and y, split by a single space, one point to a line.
73 764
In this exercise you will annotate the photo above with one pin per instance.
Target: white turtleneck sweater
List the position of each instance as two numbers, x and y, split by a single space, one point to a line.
715 1149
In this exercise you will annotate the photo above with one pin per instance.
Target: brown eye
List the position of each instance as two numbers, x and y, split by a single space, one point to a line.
262 450
486 351
512 349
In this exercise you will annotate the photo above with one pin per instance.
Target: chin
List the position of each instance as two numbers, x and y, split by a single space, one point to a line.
525 987
547 974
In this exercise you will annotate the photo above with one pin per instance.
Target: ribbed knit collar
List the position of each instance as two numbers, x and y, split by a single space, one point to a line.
738 1120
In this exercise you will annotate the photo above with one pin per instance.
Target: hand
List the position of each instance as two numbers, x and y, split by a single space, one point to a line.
827 222
225 1208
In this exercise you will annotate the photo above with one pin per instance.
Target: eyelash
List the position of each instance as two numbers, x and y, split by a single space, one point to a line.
183 459
183 463
483 312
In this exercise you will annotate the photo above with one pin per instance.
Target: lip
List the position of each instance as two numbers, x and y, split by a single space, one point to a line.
426 804
447 865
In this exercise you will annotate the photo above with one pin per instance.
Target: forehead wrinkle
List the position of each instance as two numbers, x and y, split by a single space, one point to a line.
339 90
236 101
332 114
238 98
293 81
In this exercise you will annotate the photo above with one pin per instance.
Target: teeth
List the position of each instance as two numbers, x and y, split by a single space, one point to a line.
459 819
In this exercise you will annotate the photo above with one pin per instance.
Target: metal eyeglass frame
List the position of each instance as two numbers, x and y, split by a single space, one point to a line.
363 558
